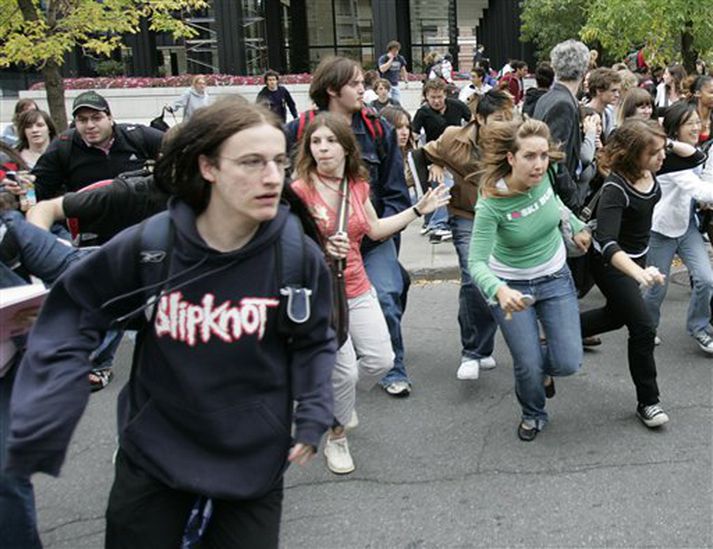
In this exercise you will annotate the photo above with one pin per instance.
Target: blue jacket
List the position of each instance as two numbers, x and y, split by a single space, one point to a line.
209 409
387 181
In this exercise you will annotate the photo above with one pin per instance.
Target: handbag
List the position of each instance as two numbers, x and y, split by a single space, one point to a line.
577 260
340 303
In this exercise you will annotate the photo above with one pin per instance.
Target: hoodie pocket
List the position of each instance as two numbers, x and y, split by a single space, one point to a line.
238 452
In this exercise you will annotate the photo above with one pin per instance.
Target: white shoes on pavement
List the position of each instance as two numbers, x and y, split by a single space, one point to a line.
339 459
470 367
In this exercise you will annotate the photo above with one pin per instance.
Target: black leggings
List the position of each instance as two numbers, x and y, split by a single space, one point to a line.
146 514
625 307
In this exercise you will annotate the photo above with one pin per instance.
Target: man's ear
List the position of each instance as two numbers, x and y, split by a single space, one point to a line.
206 168
332 93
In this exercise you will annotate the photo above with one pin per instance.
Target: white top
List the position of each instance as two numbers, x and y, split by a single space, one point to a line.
469 89
673 212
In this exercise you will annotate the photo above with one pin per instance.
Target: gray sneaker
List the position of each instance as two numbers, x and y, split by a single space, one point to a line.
705 342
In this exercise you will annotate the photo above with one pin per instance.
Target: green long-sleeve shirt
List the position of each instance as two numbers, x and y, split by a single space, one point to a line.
520 232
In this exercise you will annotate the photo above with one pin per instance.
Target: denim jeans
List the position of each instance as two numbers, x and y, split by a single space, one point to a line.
439 218
42 254
691 248
18 519
382 267
557 311
395 93
477 325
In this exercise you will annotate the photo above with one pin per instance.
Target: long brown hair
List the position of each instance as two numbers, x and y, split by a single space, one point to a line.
307 165
27 120
625 146
497 139
177 172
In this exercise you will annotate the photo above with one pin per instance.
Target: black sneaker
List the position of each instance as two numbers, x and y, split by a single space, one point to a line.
705 342
440 235
652 415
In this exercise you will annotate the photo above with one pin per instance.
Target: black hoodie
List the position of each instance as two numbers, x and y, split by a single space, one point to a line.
209 410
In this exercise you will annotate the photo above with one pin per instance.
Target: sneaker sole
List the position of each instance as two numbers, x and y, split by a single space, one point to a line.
656 421
340 471
466 378
705 349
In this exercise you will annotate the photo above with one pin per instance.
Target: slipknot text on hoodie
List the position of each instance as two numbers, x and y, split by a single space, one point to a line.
190 323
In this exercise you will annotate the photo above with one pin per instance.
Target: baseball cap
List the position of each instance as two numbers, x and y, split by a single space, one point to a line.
90 100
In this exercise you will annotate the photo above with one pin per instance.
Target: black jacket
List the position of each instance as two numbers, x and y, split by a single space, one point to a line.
58 172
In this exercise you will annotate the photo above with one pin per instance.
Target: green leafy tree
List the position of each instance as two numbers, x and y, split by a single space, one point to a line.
548 22
39 34
667 29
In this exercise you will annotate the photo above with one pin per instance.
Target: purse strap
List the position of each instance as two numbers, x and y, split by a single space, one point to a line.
585 214
342 215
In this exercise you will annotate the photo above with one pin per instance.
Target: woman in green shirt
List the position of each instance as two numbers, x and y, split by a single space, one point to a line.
518 260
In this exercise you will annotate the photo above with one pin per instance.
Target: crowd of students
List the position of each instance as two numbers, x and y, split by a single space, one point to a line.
232 382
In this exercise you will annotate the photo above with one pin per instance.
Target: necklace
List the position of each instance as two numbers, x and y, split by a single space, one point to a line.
330 187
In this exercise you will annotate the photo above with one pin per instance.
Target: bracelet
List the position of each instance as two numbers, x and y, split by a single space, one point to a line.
415 210
669 144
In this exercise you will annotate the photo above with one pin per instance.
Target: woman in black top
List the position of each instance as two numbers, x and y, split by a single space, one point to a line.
634 154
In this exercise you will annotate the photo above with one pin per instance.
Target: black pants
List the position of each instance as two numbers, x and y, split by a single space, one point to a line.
144 513
625 307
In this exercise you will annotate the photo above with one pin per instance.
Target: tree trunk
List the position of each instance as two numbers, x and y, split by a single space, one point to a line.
54 88
688 54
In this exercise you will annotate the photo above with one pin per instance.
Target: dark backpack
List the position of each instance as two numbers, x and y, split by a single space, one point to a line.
371 121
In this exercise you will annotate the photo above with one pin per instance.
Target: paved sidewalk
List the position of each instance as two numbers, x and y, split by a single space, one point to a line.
426 261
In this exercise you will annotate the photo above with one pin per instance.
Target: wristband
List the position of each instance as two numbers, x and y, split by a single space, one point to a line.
669 144
415 210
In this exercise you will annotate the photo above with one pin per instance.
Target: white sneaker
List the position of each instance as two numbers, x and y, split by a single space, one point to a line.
339 460
657 341
469 369
353 422
487 363
705 342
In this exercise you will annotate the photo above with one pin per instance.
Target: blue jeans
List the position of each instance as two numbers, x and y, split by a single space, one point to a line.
439 218
395 93
557 311
18 519
382 267
42 254
477 325
691 248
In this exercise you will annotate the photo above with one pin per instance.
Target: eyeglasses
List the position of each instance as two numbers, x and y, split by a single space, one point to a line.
257 164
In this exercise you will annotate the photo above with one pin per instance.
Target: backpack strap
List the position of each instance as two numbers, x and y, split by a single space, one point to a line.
376 131
304 122
291 271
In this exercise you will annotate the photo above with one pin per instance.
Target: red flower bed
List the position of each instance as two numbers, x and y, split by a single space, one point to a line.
182 81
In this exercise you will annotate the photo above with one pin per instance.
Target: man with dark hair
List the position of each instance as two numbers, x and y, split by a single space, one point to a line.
433 117
392 66
544 76
439 111
338 87
605 90
97 148
512 81
276 97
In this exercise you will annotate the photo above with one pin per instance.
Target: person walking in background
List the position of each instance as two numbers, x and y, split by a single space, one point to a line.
275 97
544 77
35 131
193 98
511 81
392 66
634 153
477 85
382 87
518 259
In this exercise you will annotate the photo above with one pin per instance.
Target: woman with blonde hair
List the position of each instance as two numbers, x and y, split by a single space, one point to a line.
518 260
193 98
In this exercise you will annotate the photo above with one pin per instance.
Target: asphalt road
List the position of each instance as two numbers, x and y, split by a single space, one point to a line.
444 468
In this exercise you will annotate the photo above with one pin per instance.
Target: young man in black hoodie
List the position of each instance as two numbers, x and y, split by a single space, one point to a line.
208 410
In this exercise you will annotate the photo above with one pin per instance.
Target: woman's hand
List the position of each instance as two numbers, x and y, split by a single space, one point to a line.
510 300
433 199
338 245
649 276
301 453
436 173
583 239
589 125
